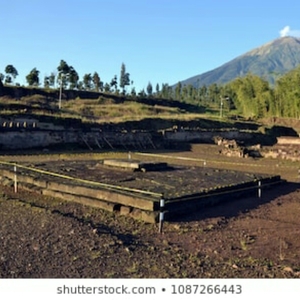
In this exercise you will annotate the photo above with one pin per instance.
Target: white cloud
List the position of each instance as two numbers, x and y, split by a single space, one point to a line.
286 31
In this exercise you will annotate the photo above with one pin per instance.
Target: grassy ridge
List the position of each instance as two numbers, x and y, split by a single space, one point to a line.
105 109
113 109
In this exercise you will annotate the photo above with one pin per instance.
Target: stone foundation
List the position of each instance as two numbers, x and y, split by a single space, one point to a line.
139 204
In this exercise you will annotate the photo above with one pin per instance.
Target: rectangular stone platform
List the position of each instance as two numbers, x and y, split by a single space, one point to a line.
137 194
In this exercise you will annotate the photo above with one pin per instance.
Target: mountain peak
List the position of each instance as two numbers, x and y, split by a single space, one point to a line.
275 57
271 46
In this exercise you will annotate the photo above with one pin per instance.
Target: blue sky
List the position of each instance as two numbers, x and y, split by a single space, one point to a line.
161 41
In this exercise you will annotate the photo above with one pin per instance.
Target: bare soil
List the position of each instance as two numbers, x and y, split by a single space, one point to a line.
42 237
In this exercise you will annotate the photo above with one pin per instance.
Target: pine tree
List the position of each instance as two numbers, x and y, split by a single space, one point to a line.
149 89
124 78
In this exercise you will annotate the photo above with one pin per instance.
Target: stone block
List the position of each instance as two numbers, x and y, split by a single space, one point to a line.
125 210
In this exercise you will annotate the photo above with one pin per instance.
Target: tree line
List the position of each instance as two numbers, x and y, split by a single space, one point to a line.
250 96
68 78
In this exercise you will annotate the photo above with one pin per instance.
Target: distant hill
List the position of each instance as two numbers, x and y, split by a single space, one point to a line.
268 61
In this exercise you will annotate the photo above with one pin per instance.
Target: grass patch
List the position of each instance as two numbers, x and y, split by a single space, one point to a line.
243 244
101 110
109 109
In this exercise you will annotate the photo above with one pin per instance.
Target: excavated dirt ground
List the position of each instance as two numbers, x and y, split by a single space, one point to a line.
42 237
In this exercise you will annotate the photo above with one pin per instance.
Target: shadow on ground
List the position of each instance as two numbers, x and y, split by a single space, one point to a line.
238 206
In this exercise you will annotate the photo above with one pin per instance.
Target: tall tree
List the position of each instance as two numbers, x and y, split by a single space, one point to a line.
157 90
184 92
178 91
98 84
52 79
33 77
253 96
124 78
287 91
203 93
114 83
46 82
166 91
63 74
149 89
73 78
11 72
107 87
213 93
49 81
87 81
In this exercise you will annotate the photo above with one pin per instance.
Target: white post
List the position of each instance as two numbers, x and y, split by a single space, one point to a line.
221 108
259 189
161 213
15 179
